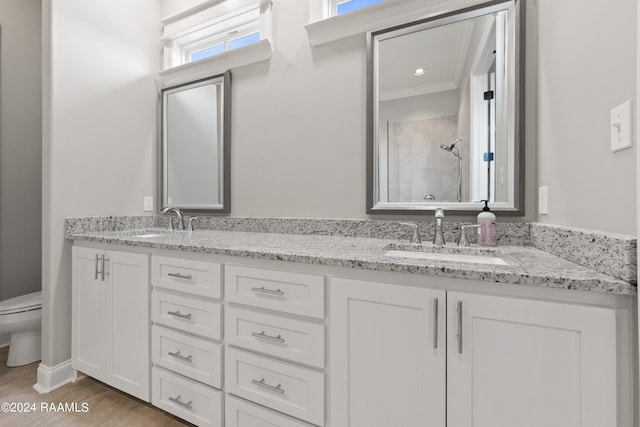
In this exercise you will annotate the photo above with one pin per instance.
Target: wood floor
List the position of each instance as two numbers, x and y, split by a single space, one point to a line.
106 406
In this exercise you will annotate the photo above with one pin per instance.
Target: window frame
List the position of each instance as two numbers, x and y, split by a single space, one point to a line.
221 37
323 28
202 26
333 6
326 9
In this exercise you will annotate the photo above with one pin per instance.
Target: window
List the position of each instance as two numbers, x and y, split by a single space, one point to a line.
221 36
331 20
233 41
345 6
204 32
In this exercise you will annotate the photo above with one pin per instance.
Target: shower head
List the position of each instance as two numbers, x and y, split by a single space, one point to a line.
452 148
448 148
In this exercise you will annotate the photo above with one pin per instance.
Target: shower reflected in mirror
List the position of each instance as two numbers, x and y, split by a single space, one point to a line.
454 150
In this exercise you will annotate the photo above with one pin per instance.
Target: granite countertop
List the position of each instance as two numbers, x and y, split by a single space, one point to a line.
527 265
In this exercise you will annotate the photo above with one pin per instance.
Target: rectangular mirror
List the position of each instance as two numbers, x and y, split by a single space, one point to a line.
195 145
445 106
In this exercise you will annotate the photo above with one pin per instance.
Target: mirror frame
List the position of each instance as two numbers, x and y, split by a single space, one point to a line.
225 206
374 206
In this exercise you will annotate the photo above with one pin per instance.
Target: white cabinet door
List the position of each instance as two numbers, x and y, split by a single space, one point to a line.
128 322
88 313
516 362
386 355
110 318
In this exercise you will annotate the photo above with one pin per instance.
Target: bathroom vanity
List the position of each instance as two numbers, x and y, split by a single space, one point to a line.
243 329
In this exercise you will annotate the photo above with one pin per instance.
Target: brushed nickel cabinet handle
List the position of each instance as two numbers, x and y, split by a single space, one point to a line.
435 323
180 276
264 336
263 384
178 401
264 290
459 335
102 273
180 315
179 356
97 271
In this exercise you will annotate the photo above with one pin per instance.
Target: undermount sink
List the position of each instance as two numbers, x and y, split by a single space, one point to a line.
148 234
455 254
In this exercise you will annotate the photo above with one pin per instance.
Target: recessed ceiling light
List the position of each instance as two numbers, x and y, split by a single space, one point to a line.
419 72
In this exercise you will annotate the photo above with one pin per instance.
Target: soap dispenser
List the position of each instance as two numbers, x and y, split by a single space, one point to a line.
487 229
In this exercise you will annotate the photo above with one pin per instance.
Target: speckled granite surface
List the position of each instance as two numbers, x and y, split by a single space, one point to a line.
612 254
507 233
528 265
110 223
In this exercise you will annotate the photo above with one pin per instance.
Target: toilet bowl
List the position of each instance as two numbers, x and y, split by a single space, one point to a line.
21 317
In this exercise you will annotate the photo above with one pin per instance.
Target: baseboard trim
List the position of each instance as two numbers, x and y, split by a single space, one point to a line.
53 377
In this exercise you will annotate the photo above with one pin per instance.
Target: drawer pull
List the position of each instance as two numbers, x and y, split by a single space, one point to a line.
264 336
179 356
264 290
180 276
177 401
261 383
180 315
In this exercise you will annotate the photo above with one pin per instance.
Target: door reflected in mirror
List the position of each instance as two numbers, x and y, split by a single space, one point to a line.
444 121
195 145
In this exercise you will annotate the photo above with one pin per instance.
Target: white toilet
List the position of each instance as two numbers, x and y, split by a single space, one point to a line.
22 318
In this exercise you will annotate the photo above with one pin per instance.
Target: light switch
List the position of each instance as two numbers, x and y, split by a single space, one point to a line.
543 200
148 204
621 130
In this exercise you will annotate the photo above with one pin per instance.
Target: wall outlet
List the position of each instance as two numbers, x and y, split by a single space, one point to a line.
148 203
620 128
543 200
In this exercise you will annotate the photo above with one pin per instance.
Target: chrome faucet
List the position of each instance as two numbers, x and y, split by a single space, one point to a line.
179 215
415 237
190 226
438 238
464 242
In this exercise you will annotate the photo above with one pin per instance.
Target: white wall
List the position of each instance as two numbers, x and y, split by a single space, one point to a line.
170 7
298 125
99 142
587 65
20 147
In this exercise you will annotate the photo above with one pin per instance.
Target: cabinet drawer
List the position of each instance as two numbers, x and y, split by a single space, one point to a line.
191 356
289 292
240 413
295 340
194 277
187 399
187 314
294 390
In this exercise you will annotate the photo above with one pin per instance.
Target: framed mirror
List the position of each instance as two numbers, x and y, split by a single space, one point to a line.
445 122
195 145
